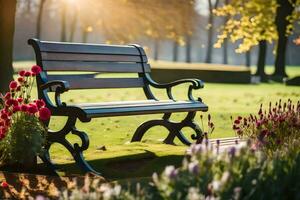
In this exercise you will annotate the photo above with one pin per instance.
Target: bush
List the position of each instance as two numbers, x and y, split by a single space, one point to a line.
22 132
273 128
206 173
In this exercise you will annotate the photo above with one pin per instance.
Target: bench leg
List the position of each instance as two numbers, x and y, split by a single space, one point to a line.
174 128
75 149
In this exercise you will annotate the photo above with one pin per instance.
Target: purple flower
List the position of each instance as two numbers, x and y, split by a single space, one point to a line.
171 172
193 167
232 151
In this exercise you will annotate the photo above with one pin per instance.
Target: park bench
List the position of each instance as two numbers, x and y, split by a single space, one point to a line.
56 57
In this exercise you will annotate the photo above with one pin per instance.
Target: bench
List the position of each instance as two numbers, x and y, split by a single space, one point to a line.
56 57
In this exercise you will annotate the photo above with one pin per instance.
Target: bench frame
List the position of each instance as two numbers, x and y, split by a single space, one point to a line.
76 150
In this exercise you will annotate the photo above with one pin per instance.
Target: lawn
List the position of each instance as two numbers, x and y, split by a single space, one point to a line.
123 159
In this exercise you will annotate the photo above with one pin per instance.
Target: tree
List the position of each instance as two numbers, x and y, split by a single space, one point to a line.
284 10
255 21
210 34
7 27
39 18
261 61
225 43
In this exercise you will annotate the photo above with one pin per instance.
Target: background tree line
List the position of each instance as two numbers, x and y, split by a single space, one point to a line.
155 21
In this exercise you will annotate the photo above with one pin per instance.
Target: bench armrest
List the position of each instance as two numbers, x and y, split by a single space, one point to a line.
58 87
195 84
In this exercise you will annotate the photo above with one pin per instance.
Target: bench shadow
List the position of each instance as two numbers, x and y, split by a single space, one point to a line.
129 166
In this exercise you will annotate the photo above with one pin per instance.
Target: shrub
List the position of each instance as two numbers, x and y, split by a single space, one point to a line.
273 128
206 173
22 132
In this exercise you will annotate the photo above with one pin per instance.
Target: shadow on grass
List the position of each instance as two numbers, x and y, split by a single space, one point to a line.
127 167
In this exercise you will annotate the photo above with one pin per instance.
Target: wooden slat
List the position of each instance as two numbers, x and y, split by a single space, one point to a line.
88 48
93 83
94 66
91 57
141 110
130 104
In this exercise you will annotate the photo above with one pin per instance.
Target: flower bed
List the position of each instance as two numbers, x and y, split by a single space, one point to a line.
263 168
22 131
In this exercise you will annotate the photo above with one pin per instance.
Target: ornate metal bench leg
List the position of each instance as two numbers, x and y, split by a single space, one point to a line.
142 129
75 150
174 128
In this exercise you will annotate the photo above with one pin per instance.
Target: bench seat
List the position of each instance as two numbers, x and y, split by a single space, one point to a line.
93 110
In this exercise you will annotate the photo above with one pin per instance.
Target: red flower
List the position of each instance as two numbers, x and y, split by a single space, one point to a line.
44 114
13 85
18 88
24 107
20 100
32 109
9 102
16 108
7 122
40 103
27 74
15 102
36 69
22 73
7 96
4 116
237 121
4 184
21 79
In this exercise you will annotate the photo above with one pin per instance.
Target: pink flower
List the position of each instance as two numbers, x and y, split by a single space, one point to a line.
44 114
4 184
13 85
16 108
24 107
9 102
22 73
15 102
36 69
32 109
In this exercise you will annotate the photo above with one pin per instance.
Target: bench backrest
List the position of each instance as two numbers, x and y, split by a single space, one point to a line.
59 57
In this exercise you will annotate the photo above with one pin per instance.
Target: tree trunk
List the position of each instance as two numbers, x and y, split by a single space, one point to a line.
63 36
188 58
7 28
248 58
285 8
261 62
84 36
225 44
175 51
73 26
225 51
156 49
39 19
210 33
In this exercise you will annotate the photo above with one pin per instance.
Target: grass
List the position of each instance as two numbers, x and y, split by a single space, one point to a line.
123 159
